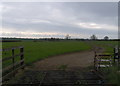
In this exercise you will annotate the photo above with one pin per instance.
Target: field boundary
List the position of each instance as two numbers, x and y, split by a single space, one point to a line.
11 69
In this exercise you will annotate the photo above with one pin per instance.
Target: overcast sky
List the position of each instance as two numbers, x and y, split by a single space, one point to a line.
57 19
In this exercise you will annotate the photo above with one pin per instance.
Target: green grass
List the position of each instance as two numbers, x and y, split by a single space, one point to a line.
112 74
35 51
107 45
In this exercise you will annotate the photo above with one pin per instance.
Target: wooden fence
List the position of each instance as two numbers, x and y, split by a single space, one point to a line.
102 60
11 69
113 58
117 55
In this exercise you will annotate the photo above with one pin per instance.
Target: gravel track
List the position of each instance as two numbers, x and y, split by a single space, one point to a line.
70 61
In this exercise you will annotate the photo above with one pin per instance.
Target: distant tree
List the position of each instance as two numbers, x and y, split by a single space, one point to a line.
93 37
106 38
67 36
52 38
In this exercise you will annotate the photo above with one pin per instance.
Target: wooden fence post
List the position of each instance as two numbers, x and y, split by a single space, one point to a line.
13 60
95 61
15 65
22 56
118 58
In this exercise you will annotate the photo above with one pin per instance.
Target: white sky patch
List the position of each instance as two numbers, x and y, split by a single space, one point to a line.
97 26
89 25
31 34
10 30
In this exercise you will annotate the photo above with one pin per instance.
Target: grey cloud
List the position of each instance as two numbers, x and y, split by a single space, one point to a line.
61 15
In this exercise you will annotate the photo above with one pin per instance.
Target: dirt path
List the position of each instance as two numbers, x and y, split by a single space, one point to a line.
46 71
72 60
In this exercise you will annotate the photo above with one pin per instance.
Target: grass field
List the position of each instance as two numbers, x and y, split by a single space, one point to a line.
107 45
35 51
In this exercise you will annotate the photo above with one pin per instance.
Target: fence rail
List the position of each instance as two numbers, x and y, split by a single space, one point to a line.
11 69
99 61
112 58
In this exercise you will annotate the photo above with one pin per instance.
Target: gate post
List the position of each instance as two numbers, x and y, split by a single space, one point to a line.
13 60
118 58
22 56
95 61
116 54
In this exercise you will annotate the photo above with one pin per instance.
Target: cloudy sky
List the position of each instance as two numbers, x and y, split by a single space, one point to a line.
57 19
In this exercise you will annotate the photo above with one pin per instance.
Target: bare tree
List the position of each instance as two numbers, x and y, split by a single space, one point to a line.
93 37
106 38
67 36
